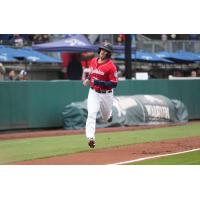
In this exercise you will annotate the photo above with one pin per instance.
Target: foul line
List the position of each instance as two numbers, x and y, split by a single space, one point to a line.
151 157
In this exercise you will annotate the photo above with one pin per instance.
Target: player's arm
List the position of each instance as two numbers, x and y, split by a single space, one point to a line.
86 82
112 79
105 83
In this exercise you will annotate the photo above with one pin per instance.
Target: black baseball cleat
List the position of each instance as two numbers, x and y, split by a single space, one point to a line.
91 143
110 119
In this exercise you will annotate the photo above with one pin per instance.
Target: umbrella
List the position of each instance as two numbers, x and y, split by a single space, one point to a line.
8 54
5 54
180 57
149 57
145 57
74 44
34 56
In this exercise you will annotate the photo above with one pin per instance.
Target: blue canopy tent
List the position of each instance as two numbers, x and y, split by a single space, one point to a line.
198 55
179 57
149 57
8 54
145 57
74 44
34 56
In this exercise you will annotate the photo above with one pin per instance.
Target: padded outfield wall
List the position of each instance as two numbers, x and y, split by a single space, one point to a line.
39 104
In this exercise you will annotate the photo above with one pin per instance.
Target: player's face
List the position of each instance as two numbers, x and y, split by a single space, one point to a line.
103 54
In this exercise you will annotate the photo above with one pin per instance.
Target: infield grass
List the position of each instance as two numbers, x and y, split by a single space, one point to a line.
43 147
190 158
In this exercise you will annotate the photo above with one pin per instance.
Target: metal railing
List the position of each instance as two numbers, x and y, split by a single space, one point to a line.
170 45
158 45
143 44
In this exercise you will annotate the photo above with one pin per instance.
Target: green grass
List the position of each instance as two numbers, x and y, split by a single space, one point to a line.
190 158
33 148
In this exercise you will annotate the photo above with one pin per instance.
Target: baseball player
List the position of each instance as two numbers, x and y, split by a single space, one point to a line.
102 79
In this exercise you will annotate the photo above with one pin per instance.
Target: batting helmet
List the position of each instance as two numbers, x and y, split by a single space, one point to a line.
106 46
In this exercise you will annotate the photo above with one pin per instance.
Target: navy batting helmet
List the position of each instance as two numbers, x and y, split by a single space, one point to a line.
106 46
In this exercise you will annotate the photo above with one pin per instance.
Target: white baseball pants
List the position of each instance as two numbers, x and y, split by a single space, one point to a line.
97 101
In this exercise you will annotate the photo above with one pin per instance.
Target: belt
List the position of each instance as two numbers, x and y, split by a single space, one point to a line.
102 91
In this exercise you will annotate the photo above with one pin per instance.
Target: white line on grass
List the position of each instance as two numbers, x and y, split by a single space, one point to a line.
150 157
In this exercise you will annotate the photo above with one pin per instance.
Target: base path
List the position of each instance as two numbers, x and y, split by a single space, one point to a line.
120 154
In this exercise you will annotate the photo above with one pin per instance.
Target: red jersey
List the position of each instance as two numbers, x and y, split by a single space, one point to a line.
104 72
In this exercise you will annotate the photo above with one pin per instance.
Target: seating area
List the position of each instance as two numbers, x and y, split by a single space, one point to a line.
159 55
20 40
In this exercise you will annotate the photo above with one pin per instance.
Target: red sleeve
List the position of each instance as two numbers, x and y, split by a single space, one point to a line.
113 74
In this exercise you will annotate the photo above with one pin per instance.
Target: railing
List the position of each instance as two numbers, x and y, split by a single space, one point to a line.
11 44
145 45
158 45
170 45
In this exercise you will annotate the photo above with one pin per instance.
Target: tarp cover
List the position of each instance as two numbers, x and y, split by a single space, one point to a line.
129 111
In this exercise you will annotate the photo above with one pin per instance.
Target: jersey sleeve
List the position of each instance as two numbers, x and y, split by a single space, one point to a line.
113 74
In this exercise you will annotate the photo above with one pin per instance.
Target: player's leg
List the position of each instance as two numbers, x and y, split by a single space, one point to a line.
93 106
106 106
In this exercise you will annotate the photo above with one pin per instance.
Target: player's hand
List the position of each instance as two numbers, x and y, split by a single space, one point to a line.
86 82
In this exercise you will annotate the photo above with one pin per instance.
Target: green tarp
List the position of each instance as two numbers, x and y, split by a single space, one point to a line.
129 111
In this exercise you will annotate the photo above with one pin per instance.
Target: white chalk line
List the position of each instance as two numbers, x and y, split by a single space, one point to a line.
151 157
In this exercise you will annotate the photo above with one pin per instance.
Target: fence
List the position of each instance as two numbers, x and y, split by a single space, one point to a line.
158 45
39 104
170 45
